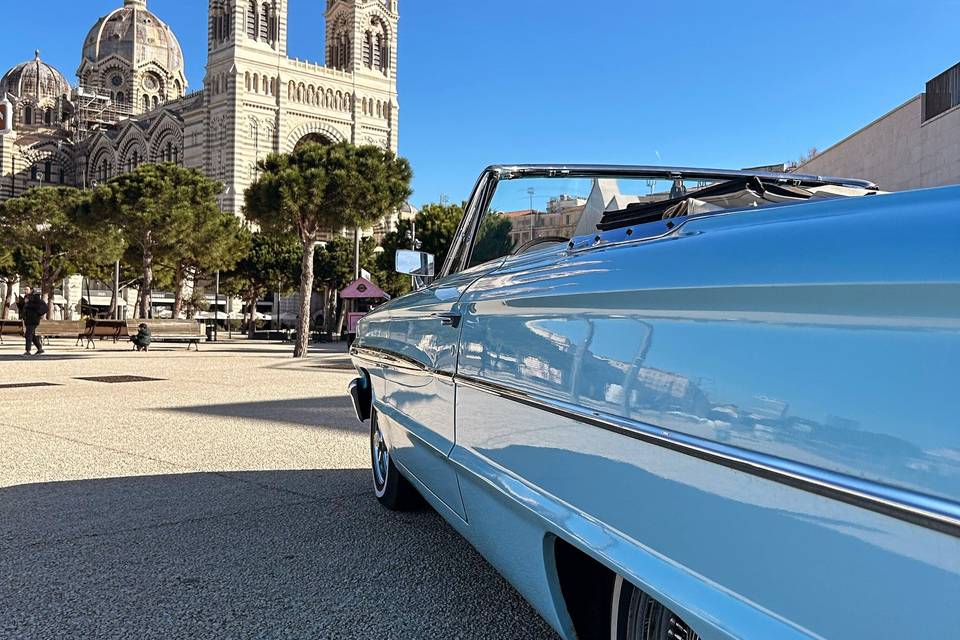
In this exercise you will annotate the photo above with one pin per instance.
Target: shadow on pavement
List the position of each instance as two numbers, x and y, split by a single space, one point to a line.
19 357
296 554
327 412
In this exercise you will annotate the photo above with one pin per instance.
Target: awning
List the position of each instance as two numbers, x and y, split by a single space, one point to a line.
101 301
363 289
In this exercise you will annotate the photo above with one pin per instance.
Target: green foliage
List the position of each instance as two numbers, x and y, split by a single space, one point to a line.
493 239
333 263
157 206
269 262
321 188
52 235
214 241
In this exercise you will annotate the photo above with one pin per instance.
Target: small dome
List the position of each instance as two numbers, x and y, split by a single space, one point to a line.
34 79
136 35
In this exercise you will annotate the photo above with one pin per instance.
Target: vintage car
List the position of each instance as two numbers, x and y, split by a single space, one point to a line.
684 403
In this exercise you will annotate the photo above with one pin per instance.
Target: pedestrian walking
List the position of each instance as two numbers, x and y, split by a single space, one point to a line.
33 311
22 301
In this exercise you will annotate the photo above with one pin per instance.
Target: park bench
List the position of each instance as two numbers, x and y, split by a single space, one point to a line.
189 332
10 328
50 329
104 330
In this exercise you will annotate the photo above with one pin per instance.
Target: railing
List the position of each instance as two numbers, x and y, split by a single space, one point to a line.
943 93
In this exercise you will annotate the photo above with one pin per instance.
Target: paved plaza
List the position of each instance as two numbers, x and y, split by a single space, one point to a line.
227 498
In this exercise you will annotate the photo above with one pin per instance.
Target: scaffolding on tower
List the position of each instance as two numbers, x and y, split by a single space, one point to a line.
96 111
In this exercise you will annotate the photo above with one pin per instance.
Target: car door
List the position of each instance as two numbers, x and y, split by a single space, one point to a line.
424 333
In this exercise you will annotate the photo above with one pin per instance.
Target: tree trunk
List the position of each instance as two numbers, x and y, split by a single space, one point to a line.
145 301
252 323
47 282
7 300
306 291
179 281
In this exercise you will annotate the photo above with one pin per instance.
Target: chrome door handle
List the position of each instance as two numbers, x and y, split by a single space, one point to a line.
449 319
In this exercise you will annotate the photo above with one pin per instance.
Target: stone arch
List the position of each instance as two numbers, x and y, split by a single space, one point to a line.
309 129
39 153
166 143
133 153
101 162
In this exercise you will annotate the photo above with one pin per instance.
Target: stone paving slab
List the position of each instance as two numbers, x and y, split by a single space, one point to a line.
229 500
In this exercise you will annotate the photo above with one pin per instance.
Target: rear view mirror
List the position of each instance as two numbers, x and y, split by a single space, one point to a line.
415 263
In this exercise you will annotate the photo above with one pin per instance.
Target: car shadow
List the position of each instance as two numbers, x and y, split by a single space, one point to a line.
326 412
19 357
298 554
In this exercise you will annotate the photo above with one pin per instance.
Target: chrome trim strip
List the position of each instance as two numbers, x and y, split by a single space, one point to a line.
512 172
394 360
916 508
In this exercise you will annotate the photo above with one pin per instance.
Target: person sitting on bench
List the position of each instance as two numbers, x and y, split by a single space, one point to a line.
141 341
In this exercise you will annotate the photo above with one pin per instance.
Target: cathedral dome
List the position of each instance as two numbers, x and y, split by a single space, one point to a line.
136 36
34 79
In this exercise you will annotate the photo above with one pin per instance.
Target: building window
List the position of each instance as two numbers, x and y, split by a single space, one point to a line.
120 98
28 115
265 30
342 54
942 93
252 20
368 50
47 171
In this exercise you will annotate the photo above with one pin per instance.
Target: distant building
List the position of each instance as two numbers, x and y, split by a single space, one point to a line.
914 146
558 221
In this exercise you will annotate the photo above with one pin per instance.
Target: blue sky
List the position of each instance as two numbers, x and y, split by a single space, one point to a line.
724 84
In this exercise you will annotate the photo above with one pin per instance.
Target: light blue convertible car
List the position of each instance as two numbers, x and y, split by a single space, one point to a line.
686 403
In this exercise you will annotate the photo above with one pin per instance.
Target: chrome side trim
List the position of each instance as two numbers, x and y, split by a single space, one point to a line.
398 361
916 508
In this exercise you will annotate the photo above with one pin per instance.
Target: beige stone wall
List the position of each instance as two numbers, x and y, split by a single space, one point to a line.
898 152
258 101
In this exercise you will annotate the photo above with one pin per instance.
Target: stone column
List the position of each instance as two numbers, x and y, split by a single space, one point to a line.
72 292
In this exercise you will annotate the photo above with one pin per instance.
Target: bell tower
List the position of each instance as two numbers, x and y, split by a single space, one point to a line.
362 36
257 24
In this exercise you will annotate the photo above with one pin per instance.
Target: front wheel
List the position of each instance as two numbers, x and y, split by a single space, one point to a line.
393 490
637 616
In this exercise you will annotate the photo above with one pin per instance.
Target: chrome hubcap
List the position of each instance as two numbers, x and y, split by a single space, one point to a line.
381 457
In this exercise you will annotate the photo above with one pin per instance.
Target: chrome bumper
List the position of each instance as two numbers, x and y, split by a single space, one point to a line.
361 396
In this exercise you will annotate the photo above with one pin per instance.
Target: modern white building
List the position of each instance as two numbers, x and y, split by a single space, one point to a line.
914 146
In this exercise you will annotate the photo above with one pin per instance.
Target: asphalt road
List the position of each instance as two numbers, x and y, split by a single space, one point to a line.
229 499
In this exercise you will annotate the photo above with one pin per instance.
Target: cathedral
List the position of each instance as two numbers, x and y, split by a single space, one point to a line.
131 102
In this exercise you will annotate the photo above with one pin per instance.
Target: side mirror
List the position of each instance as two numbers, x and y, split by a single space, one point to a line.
415 263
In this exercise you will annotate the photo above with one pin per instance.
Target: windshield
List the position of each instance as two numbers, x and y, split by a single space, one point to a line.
534 208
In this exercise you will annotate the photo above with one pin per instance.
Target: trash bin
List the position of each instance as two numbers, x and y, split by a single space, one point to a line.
209 332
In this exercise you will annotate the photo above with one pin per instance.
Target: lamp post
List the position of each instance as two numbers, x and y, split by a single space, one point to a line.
216 290
216 309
